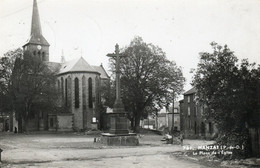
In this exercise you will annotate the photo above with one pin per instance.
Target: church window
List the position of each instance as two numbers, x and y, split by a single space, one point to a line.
39 54
69 91
90 98
43 56
97 89
62 88
58 86
34 53
84 92
76 85
66 92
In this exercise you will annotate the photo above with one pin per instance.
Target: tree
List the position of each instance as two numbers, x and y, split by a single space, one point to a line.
33 88
229 90
148 79
6 68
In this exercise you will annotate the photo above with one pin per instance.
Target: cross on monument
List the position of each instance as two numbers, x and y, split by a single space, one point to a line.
118 105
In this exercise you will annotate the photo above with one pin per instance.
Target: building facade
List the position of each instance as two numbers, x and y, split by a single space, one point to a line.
194 124
164 118
77 82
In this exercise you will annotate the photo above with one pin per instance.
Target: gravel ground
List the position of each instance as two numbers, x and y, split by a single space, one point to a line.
79 150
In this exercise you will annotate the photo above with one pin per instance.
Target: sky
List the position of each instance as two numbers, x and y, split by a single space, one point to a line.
91 28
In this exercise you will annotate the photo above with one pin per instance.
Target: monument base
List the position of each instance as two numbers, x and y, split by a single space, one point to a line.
118 124
129 139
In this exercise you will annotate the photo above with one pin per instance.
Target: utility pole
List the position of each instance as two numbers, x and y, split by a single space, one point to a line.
172 117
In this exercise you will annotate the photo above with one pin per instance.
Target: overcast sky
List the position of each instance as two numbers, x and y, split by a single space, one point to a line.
182 28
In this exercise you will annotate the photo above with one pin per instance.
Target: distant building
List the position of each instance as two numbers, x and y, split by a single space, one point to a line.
148 123
193 122
164 118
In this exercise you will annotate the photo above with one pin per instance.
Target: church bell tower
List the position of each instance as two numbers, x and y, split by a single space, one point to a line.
37 44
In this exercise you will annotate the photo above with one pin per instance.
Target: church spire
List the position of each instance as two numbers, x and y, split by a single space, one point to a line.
36 29
36 36
36 43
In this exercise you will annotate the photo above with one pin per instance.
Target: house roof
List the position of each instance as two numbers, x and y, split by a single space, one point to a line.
79 65
191 91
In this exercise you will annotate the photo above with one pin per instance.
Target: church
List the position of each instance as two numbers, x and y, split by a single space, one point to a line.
77 81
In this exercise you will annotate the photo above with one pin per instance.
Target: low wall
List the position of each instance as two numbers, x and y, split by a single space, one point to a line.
65 122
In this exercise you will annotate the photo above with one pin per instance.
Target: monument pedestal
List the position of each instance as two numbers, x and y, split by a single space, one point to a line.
118 133
118 123
129 139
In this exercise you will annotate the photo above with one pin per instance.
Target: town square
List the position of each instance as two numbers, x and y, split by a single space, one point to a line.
129 83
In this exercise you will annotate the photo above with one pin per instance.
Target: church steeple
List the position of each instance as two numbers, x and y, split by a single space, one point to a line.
37 44
36 29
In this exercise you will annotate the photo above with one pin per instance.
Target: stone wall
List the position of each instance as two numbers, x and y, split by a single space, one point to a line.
65 122
82 115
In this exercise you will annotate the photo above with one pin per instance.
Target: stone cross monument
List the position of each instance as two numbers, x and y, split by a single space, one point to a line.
118 119
118 133
118 105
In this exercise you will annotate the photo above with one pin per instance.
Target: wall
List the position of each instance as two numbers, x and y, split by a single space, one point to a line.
192 122
82 117
65 122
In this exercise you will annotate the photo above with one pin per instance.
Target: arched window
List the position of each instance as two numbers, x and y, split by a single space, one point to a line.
90 97
34 53
62 88
69 91
98 97
84 92
76 85
43 56
66 92
39 55
58 86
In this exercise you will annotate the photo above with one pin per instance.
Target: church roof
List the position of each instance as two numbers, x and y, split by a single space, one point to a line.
53 66
102 71
79 65
36 36
37 40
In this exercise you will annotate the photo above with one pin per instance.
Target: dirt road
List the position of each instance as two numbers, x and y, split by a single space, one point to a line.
79 150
